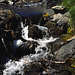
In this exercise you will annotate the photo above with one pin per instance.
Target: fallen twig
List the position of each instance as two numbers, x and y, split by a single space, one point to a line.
56 62
45 69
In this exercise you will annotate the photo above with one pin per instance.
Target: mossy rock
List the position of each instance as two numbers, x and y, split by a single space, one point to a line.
53 29
65 37
49 24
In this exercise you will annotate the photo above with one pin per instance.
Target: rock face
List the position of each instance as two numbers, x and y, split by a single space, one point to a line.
56 45
66 51
10 29
10 22
60 19
49 11
34 32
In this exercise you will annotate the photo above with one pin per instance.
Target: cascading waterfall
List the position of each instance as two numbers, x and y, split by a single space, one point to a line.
17 67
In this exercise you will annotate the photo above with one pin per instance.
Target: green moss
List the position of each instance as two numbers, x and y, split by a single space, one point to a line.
49 24
65 37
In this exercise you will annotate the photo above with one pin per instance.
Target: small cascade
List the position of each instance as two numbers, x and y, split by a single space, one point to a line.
44 29
17 67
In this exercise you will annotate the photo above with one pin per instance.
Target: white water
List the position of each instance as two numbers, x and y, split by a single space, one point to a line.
18 66
33 4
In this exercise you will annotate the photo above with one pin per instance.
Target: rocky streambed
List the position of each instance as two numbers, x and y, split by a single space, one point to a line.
34 41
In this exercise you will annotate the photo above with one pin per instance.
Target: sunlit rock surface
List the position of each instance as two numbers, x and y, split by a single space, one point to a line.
66 51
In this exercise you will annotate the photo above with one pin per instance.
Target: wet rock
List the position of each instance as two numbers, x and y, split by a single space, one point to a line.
10 29
1 69
34 67
20 48
66 51
59 9
34 32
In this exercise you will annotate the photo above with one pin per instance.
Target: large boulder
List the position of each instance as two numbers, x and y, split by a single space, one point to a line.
10 29
60 19
66 51
20 48
56 45
49 11
34 32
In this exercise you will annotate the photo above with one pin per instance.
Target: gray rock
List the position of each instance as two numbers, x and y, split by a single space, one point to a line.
56 45
34 67
59 9
66 51
50 12
60 19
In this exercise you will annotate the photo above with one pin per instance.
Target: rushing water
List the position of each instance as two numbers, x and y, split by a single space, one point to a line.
17 67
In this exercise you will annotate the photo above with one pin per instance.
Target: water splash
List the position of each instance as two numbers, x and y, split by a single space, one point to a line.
17 67
33 4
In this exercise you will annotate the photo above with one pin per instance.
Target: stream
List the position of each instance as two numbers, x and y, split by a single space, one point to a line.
17 67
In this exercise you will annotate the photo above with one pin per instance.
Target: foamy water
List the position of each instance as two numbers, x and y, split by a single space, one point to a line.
17 67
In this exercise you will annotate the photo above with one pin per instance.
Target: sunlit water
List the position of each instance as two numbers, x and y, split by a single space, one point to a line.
17 67
33 4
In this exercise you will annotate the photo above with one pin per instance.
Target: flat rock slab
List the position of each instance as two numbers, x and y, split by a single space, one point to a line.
66 51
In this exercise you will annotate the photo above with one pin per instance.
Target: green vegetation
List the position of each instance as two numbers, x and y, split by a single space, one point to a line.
70 6
68 3
72 14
